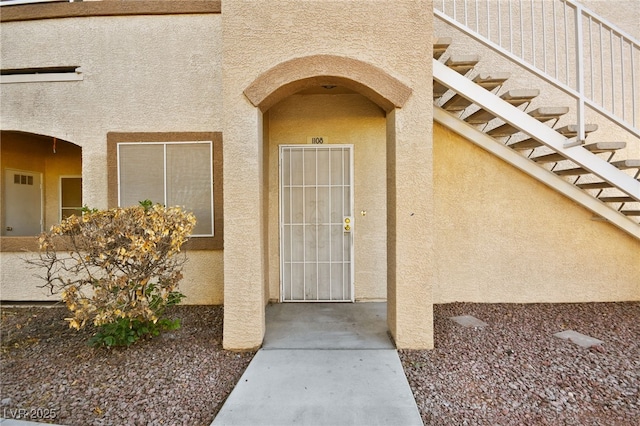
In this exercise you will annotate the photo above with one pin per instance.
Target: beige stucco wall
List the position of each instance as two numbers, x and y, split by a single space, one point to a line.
544 256
138 73
502 236
202 282
481 231
141 74
625 14
398 40
343 119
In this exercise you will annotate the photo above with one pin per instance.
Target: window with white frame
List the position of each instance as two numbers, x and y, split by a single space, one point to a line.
169 173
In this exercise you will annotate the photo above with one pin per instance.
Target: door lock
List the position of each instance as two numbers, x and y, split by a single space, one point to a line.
347 224
9 228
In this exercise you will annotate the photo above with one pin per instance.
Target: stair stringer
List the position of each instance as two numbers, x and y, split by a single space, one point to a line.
545 135
539 131
541 174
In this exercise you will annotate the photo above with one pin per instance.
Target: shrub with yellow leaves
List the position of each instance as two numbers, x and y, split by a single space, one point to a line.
117 269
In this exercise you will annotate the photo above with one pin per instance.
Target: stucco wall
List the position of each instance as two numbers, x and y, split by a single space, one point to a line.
260 35
344 119
203 278
488 234
141 74
502 236
202 282
532 244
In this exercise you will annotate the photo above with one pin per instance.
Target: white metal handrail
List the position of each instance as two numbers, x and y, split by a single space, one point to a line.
564 43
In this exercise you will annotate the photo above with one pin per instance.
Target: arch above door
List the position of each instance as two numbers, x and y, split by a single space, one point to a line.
297 74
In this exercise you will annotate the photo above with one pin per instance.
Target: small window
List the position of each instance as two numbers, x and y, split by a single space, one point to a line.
170 173
70 196
22 179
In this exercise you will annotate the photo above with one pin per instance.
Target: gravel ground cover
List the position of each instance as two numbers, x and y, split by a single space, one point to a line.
514 372
511 372
179 378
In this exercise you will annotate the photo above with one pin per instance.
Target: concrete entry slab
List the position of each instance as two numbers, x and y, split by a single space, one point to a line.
468 321
323 364
322 387
327 326
578 338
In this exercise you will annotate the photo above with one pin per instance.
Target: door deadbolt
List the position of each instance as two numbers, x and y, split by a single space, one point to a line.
347 224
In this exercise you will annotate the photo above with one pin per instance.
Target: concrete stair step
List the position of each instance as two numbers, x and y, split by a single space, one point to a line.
515 97
548 113
525 144
600 147
462 64
627 164
572 172
440 45
571 130
594 185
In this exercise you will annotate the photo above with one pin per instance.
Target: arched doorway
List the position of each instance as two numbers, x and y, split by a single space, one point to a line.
42 182
280 92
328 230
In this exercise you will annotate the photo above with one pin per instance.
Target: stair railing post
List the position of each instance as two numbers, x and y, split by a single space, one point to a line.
579 51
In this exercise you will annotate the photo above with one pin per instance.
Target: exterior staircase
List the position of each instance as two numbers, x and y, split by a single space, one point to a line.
472 103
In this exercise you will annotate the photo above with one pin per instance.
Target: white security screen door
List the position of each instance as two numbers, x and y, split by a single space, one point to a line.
23 203
316 223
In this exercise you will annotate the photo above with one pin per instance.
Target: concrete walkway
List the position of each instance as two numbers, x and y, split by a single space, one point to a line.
323 364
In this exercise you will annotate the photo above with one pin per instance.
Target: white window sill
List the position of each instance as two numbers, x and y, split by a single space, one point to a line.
21 2
39 78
